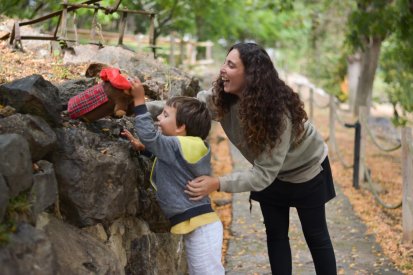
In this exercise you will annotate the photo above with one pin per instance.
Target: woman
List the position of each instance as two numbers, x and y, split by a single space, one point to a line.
267 122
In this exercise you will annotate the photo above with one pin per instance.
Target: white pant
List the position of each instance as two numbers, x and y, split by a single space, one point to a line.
204 249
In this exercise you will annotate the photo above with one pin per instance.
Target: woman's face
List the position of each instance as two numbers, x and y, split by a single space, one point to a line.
233 74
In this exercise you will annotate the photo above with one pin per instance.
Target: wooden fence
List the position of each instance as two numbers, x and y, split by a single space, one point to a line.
406 154
187 52
179 51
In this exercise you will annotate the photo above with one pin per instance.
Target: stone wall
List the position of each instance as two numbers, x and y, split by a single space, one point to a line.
74 196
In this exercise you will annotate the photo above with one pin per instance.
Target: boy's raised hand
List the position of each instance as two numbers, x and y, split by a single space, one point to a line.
137 92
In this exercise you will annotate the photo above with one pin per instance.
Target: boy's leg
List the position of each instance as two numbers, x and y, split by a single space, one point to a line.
314 225
204 249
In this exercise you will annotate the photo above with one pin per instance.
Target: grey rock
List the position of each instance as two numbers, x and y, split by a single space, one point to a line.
15 163
34 129
28 252
33 95
4 197
163 255
71 88
44 189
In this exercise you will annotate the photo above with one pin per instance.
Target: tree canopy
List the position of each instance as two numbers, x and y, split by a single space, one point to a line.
312 37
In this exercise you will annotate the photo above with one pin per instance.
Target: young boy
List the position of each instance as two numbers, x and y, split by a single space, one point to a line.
181 155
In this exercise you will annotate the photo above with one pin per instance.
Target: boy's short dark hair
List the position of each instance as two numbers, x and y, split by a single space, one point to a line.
193 113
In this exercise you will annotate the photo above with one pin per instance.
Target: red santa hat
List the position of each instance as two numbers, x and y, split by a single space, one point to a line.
115 78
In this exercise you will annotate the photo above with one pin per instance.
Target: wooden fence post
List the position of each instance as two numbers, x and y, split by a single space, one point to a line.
151 35
299 91
407 172
64 20
332 125
311 90
208 53
172 50
123 23
363 118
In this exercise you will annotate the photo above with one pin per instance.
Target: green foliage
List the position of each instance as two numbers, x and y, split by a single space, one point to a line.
372 18
326 57
398 72
397 59
27 8
6 229
62 72
19 207
312 37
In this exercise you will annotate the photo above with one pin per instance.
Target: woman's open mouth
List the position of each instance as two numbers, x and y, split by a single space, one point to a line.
225 80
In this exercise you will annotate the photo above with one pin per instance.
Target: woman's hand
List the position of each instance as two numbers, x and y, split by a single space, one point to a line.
201 187
137 92
136 144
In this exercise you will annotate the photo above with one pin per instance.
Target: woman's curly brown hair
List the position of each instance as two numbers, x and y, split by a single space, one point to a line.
264 103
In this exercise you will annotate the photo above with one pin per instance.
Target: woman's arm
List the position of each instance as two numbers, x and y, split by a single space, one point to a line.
265 169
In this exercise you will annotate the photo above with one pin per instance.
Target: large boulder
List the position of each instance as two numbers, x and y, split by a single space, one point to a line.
96 175
77 252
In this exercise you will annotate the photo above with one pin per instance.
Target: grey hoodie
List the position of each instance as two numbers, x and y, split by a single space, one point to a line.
178 160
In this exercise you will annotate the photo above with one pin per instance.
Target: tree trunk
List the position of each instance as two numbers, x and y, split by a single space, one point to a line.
369 60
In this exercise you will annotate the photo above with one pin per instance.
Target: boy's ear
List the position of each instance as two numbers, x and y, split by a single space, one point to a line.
181 130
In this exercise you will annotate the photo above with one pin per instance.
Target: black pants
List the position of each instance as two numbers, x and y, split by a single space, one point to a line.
314 226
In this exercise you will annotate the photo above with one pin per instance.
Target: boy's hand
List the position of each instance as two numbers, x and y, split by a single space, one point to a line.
136 144
137 92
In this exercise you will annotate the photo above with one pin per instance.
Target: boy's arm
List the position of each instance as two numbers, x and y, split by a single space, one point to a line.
161 146
135 143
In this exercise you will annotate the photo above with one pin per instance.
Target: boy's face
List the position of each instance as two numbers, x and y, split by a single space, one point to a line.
167 122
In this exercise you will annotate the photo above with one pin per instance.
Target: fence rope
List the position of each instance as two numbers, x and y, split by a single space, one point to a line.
340 120
373 138
346 165
339 108
319 105
376 195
